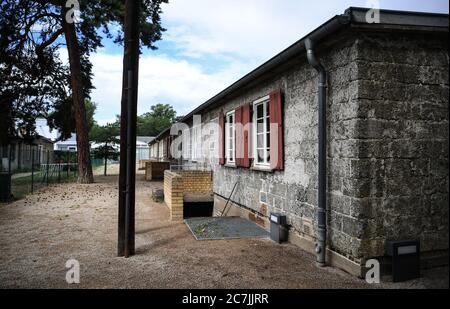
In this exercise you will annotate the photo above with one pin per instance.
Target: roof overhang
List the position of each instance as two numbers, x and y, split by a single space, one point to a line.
354 17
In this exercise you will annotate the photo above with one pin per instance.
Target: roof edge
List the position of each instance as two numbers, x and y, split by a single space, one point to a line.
353 15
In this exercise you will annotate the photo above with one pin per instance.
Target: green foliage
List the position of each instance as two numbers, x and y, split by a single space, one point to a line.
158 119
34 81
60 156
63 118
105 134
106 152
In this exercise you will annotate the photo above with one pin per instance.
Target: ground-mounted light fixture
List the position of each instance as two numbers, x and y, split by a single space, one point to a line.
405 259
278 228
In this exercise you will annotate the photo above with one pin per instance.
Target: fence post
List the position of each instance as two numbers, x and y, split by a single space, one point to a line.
32 170
68 164
59 170
9 158
48 165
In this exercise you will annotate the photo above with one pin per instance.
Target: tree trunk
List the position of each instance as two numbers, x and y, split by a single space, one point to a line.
106 163
126 228
83 154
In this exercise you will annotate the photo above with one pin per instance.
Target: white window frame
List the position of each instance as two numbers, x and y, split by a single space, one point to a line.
265 101
230 141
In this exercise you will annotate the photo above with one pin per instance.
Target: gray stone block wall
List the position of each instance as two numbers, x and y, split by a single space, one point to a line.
387 147
402 136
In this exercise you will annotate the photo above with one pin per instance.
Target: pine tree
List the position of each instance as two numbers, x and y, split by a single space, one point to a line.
41 27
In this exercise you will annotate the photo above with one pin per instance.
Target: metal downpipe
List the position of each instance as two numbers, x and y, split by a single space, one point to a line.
321 235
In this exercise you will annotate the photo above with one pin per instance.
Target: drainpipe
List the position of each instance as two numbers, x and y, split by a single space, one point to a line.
322 198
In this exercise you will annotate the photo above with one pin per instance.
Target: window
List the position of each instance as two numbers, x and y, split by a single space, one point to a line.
196 143
161 150
263 147
261 132
213 137
230 138
187 148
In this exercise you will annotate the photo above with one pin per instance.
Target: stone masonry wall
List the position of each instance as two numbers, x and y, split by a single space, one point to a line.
387 145
400 171
294 191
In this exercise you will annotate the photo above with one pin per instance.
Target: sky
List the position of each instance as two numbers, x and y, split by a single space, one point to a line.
209 44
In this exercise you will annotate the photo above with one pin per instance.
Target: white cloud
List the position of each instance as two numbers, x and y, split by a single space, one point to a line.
259 28
161 80
251 28
217 42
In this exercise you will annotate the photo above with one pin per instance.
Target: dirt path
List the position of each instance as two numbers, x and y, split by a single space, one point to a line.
70 221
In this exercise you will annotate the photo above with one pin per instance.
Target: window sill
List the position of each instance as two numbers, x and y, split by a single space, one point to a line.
229 165
266 169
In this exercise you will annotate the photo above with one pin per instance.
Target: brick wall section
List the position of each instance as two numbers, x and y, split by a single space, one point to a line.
173 194
155 170
197 182
142 164
176 185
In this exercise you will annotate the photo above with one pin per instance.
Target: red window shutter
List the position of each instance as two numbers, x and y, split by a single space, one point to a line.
221 138
239 147
276 138
246 114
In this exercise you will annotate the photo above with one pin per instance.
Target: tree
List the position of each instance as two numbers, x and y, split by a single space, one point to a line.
43 25
62 118
107 136
106 152
31 82
160 118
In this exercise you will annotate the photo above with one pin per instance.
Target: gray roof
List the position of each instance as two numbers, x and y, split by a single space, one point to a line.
72 140
145 139
353 17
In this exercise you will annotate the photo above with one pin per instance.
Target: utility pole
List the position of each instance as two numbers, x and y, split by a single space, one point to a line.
127 179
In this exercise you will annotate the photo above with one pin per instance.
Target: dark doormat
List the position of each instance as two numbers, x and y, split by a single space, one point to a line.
224 228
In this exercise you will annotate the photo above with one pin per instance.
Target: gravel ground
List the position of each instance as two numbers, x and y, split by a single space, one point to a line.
71 221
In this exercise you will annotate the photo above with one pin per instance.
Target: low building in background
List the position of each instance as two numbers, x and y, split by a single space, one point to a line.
19 155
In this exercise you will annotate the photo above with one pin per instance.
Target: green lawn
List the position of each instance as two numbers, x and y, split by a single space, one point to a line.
21 186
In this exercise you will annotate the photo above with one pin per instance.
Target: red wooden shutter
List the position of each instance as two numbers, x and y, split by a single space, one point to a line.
239 146
221 138
276 138
246 127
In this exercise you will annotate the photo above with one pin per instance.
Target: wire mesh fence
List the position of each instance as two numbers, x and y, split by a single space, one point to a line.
27 168
102 168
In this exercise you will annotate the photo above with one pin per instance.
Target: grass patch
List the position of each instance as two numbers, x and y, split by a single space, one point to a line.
21 187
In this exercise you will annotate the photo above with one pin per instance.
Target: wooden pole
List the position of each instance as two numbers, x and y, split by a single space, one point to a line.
126 232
